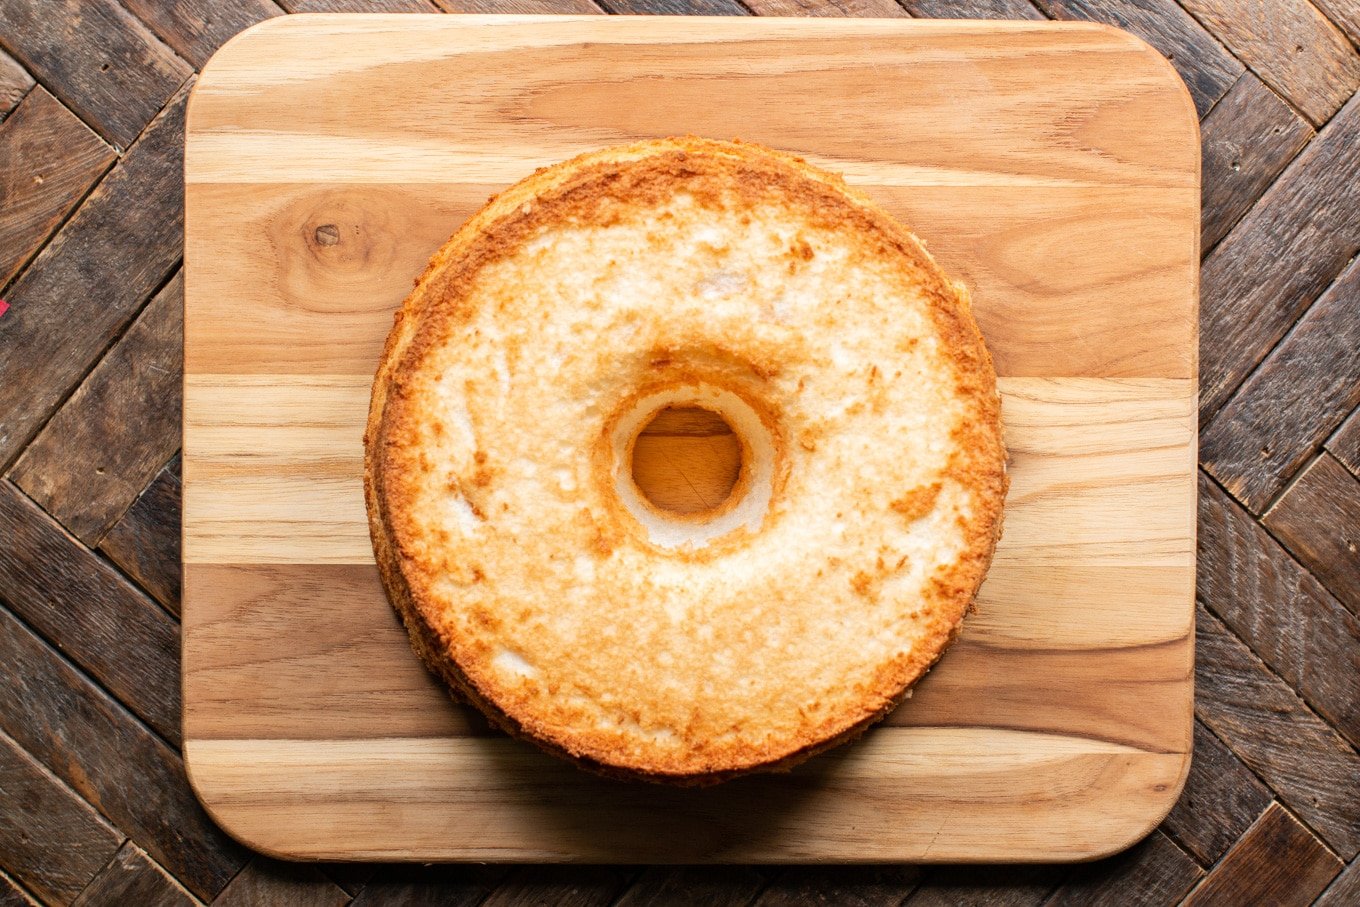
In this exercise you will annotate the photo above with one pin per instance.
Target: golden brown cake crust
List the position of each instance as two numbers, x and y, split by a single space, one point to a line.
463 627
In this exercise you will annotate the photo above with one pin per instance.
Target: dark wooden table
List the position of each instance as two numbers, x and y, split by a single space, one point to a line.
94 804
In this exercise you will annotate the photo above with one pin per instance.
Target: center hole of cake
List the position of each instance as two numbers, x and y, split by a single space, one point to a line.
692 462
687 460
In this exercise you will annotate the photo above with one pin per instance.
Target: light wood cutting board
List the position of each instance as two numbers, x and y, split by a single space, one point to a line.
1054 168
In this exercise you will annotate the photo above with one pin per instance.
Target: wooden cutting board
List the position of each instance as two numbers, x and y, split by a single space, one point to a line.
1054 168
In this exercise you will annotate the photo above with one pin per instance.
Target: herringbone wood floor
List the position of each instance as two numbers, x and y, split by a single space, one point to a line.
94 805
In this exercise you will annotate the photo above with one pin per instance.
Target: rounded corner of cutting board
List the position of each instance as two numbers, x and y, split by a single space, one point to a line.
225 56
1159 68
1119 837
214 795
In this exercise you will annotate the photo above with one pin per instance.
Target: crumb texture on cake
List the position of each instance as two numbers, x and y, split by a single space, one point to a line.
538 583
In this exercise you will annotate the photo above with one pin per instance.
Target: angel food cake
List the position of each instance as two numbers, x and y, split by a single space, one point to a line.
543 585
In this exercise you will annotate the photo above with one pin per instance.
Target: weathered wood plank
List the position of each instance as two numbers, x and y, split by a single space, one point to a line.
716 886
677 7
194 29
108 440
1345 14
1345 443
1344 890
90 612
111 759
1279 609
359 6
1287 408
561 886
11 895
1318 520
448 886
973 9
987 886
132 878
92 278
145 540
1221 800
1247 138
1154 871
50 839
265 883
531 7
48 160
1277 862
1279 257
15 82
1312 769
351 877
882 9
97 58
850 886
1290 45
1207 68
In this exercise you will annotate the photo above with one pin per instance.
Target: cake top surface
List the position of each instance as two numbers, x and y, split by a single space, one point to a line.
538 343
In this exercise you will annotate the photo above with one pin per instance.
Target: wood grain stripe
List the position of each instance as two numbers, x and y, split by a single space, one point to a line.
1136 699
298 261
1007 670
1100 471
1047 796
521 117
338 626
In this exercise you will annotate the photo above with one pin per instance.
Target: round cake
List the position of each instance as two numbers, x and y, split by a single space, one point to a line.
544 586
